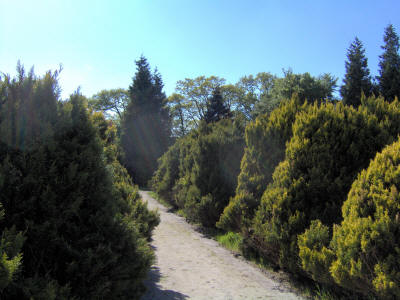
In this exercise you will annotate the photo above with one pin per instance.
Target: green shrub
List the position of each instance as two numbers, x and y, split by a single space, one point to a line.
167 173
84 225
199 172
216 155
266 138
367 242
125 193
330 145
387 113
10 256
315 250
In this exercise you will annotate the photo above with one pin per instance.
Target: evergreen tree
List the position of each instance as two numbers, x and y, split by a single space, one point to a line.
146 126
357 79
216 108
389 72
84 228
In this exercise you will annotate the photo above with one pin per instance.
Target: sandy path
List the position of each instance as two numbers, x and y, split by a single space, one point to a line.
190 266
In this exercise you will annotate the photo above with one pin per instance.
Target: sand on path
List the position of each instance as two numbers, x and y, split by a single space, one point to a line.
191 266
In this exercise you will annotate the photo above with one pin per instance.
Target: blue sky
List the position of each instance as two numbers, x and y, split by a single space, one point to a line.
98 41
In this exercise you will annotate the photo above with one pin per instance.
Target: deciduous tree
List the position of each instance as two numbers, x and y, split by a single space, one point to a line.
110 102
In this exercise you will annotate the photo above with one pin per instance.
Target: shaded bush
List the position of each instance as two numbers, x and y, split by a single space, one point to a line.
84 226
167 173
125 193
199 172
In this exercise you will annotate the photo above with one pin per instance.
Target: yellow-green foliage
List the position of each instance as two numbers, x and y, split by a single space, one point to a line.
265 148
387 113
367 242
10 257
330 145
314 251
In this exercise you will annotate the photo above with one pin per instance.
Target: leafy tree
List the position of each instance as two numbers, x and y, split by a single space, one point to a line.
254 90
216 109
389 65
357 79
110 102
145 127
305 86
180 121
196 93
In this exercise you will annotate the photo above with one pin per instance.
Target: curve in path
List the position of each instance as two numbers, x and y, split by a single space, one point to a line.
190 266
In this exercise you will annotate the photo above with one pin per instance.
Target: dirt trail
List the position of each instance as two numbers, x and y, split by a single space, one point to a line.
190 266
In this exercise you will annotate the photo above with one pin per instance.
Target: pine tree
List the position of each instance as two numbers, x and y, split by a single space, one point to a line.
357 79
216 108
146 125
389 72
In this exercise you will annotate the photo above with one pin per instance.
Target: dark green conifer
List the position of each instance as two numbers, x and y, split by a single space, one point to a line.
357 79
146 125
84 225
389 65
216 108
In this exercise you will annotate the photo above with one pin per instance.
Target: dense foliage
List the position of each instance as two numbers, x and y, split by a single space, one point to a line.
145 126
271 158
363 253
330 145
250 97
199 172
300 160
84 226
265 138
216 108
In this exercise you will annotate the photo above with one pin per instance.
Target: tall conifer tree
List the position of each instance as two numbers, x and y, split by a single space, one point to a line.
357 79
146 124
389 65
216 108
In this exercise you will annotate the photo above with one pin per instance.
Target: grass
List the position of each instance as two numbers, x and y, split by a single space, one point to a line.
230 240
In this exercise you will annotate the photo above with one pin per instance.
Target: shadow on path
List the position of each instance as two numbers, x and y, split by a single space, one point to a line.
155 291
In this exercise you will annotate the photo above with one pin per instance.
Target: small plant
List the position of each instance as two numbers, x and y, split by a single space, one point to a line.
230 240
